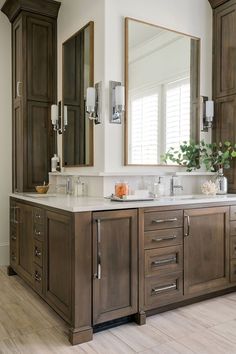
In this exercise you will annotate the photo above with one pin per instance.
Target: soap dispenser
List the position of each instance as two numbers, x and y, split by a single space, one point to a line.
54 163
159 187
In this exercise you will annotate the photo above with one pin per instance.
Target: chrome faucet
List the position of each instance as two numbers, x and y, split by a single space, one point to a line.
174 186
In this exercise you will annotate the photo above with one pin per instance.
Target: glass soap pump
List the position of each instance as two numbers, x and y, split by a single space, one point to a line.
159 187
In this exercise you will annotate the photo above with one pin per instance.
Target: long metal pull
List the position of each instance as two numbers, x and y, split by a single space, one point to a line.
187 217
156 291
160 221
14 220
168 238
19 83
99 266
164 261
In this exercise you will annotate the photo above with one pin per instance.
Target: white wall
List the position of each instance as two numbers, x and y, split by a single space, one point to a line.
193 17
5 134
73 15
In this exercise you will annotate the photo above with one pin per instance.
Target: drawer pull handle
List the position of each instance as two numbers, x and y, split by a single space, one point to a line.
164 238
187 233
37 276
98 274
161 221
13 237
164 261
37 216
156 291
13 257
37 253
37 233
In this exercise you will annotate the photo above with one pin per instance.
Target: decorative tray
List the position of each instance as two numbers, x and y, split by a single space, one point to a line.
131 198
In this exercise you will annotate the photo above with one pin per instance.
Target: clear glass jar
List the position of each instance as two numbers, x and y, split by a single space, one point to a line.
121 189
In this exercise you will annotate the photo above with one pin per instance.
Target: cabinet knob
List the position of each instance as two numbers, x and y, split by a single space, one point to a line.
37 216
13 237
37 252
37 276
37 233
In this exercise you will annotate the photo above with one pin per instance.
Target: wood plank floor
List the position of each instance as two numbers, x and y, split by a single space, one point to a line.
29 326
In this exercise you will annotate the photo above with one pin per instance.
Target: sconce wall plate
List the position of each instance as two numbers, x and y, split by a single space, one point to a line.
115 117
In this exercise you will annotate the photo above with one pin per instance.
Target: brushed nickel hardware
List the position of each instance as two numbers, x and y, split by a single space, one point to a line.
37 233
37 276
13 237
18 85
164 261
14 220
168 238
13 257
187 217
37 252
156 291
37 216
98 274
160 221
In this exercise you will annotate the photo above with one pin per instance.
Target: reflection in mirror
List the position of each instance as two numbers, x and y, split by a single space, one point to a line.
162 91
77 77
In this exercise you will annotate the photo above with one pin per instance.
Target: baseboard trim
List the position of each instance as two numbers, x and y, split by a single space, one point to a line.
4 253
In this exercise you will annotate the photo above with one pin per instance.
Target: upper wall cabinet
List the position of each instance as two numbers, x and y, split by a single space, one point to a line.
34 55
162 91
225 50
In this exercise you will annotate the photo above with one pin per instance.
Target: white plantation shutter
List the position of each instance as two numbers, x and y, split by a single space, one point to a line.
144 131
177 113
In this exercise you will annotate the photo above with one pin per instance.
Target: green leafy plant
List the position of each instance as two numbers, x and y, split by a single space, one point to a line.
193 156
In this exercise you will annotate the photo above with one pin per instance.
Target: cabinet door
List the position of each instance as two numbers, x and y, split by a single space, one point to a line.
224 50
25 235
206 250
115 265
58 262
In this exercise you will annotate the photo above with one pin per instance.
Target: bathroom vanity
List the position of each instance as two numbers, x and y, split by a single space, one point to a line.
95 261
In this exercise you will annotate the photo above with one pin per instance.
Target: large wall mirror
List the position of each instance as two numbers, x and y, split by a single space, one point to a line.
78 71
162 91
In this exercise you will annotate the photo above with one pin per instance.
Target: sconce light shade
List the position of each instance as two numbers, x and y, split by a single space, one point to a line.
209 109
119 96
54 114
117 102
91 99
207 113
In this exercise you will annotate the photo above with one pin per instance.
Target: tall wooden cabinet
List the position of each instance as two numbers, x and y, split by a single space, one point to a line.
34 66
224 76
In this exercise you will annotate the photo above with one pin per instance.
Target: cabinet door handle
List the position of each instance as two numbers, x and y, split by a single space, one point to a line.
161 221
37 216
168 238
14 220
164 261
156 291
98 274
37 276
13 237
37 233
187 233
19 83
37 253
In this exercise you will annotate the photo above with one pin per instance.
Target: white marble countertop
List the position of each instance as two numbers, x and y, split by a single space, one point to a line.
82 204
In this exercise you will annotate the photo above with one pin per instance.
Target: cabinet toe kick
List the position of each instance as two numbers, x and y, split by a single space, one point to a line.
80 335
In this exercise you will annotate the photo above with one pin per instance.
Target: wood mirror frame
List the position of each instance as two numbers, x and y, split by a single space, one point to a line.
78 103
195 89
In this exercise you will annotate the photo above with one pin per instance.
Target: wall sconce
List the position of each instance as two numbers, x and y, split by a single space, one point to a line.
93 103
59 123
117 102
207 114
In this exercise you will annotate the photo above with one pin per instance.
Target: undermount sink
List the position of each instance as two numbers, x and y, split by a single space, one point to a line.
37 195
197 196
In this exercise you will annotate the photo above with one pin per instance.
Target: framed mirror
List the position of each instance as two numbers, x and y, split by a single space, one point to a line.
162 83
77 76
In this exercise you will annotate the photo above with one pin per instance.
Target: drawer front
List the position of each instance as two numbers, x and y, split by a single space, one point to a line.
163 220
38 279
38 216
38 232
163 261
233 271
233 212
233 228
163 238
160 291
38 253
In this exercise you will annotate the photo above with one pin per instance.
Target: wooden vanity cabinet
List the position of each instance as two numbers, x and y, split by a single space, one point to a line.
206 250
34 66
115 265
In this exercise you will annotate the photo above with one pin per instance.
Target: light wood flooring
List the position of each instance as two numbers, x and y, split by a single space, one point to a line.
28 325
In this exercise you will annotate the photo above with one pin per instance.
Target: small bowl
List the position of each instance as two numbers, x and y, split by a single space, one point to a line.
42 189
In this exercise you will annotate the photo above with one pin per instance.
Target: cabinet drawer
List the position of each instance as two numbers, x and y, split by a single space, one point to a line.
38 231
163 238
233 247
163 220
163 261
38 216
38 253
233 212
233 228
38 279
160 291
233 271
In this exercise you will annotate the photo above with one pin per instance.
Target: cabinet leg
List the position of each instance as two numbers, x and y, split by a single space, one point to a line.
140 318
80 335
10 271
